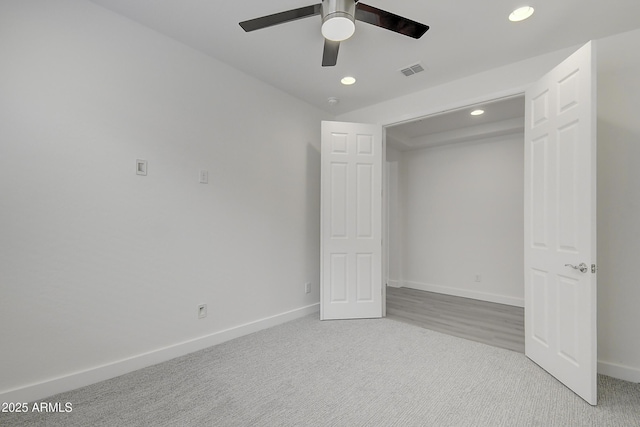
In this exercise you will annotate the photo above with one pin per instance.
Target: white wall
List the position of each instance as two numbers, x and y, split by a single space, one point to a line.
462 216
619 205
395 218
618 176
99 267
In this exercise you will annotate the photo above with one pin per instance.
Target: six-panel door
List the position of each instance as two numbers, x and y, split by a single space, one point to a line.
351 271
560 227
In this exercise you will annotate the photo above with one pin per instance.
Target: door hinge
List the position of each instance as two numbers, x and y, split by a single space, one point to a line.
594 268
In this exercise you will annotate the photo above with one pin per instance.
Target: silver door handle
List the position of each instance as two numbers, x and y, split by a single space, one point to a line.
582 267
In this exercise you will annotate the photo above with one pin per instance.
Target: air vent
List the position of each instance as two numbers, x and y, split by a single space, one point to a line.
414 69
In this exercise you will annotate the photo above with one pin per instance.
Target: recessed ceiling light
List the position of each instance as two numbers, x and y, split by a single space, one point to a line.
477 112
521 13
348 80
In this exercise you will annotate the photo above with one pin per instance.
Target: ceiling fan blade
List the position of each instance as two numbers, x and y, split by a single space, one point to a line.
390 21
330 54
281 18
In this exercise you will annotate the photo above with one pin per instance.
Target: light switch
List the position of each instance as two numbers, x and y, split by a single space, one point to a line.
204 177
141 167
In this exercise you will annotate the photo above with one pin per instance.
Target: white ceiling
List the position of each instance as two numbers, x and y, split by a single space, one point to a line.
466 37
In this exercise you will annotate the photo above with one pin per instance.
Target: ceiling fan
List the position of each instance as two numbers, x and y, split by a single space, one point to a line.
338 23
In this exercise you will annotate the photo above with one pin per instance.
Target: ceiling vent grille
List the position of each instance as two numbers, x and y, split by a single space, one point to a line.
414 69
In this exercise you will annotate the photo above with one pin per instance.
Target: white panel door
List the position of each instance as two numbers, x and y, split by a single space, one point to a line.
351 223
560 226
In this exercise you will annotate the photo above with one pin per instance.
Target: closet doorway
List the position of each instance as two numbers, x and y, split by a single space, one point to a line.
455 187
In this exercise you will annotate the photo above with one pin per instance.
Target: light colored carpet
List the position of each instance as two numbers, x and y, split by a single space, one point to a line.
342 373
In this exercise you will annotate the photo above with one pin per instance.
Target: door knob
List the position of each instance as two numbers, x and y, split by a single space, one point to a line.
582 267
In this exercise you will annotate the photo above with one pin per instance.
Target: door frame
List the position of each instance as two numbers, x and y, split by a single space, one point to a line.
385 223
463 104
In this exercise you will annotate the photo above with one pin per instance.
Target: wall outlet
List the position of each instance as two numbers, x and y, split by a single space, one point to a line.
307 288
478 278
202 311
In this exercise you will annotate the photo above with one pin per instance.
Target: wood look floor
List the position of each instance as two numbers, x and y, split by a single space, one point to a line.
490 323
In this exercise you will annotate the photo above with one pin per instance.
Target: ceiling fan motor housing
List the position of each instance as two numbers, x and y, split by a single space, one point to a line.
338 19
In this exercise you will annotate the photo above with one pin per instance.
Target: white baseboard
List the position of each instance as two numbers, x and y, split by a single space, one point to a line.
394 283
54 386
621 372
482 296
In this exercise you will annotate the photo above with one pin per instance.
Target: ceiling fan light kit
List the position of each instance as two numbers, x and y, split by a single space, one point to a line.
338 23
338 19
